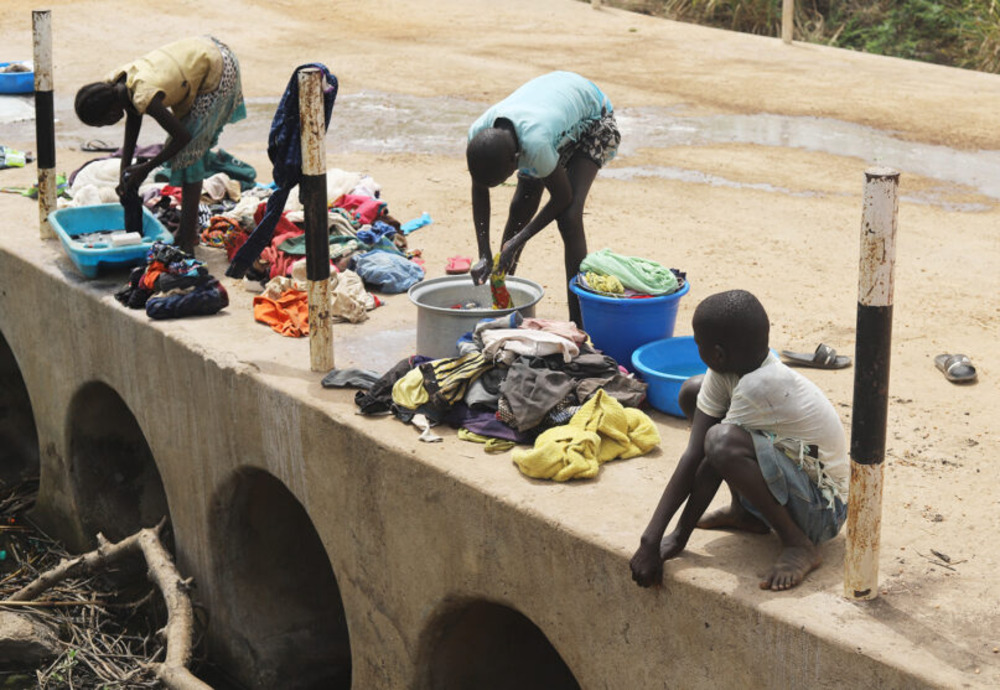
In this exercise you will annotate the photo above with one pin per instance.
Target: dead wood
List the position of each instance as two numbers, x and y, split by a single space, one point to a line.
179 630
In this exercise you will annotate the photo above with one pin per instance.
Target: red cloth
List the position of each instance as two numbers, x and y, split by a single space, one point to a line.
284 229
173 192
366 209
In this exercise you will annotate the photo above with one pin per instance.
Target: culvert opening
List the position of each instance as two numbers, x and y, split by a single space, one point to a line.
282 623
117 487
19 453
488 646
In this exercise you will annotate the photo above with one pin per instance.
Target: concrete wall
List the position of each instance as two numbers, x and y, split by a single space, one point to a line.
334 551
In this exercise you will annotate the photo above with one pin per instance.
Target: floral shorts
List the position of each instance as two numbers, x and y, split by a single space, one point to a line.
599 142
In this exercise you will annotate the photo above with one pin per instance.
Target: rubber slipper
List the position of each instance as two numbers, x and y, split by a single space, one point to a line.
457 265
956 368
99 146
825 357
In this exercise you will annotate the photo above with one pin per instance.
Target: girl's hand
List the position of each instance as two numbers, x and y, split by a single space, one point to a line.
132 178
481 271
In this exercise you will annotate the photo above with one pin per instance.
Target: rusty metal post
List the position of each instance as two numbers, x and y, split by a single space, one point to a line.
312 191
787 20
45 128
871 382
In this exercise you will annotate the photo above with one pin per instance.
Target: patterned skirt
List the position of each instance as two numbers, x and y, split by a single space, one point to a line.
210 112
599 142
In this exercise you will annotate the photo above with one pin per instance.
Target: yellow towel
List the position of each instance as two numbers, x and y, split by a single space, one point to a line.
604 283
601 430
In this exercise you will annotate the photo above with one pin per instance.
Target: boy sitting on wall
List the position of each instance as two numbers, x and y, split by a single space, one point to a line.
765 429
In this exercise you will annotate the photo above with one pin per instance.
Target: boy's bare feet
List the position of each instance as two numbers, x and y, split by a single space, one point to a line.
791 567
734 517
670 546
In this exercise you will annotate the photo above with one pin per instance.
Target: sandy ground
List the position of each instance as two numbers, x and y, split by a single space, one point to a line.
785 228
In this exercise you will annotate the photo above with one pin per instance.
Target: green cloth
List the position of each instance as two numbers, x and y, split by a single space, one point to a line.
634 272
339 245
32 191
216 161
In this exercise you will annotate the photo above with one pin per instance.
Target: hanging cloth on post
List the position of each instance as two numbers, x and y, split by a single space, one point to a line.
284 148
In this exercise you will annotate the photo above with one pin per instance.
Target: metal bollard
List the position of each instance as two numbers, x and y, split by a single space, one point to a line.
45 128
312 190
871 382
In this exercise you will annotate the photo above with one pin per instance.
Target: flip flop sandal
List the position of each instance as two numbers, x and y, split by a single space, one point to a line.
825 357
956 368
457 265
97 145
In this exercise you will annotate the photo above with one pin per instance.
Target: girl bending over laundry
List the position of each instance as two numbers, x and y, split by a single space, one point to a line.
192 89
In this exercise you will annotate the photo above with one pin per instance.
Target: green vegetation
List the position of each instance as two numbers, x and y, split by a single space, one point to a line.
959 33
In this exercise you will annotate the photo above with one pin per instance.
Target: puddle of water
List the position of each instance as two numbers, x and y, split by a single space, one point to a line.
375 122
376 351
17 109
661 128
696 177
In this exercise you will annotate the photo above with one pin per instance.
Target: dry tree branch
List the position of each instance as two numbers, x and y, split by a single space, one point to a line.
172 671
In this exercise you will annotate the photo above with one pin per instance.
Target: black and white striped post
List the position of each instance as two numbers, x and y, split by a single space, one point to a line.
45 128
871 382
312 191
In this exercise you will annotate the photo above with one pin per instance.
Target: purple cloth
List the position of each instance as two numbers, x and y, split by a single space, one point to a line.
485 423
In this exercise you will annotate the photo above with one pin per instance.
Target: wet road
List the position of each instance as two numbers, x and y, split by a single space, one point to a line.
376 122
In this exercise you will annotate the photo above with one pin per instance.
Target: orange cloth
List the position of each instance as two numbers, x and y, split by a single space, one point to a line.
153 271
287 315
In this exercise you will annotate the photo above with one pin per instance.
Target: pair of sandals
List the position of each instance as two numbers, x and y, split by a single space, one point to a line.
956 368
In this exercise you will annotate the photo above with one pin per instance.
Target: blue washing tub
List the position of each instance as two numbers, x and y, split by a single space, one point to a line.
70 223
665 365
16 82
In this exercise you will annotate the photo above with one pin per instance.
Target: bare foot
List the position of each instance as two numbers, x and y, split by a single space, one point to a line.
791 567
670 546
734 517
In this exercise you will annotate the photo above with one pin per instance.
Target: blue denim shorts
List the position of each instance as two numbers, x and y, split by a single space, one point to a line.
792 488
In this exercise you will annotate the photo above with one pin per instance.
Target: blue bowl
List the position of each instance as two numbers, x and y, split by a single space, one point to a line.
617 326
665 365
71 222
16 82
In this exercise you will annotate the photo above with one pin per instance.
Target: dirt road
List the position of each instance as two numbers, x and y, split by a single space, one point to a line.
771 210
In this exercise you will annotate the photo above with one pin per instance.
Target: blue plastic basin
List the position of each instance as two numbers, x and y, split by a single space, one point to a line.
664 365
617 326
16 82
71 222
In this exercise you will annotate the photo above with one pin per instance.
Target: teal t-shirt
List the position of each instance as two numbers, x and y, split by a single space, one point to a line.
548 113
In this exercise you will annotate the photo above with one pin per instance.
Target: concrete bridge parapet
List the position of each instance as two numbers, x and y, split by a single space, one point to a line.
332 550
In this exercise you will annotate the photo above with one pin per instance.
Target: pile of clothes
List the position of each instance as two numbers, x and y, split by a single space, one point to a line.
629 277
173 285
95 181
519 381
284 303
363 236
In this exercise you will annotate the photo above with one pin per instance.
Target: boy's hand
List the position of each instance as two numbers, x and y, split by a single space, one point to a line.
647 567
